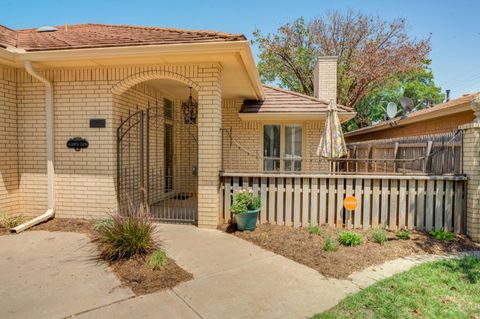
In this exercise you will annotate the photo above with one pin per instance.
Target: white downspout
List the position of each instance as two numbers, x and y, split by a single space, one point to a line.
50 152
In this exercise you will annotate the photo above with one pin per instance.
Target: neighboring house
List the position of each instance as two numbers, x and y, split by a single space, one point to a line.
125 91
441 118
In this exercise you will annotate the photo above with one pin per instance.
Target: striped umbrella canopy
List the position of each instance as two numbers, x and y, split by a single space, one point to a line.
332 142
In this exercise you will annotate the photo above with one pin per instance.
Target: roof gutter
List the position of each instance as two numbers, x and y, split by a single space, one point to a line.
50 152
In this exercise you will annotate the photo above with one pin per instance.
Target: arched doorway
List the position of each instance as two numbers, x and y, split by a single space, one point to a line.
157 148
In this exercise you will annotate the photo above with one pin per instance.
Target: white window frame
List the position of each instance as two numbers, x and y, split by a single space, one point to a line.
282 145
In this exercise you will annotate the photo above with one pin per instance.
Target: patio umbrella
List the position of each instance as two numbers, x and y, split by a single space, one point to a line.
332 144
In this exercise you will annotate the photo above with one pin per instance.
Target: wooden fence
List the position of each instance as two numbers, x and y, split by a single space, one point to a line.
393 202
436 154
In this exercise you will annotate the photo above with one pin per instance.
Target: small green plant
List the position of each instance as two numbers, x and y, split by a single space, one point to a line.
11 221
404 234
126 236
379 236
442 234
264 235
103 223
350 238
330 244
157 260
244 200
314 230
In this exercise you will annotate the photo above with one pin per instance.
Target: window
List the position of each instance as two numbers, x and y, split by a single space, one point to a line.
282 147
293 148
271 147
168 145
168 109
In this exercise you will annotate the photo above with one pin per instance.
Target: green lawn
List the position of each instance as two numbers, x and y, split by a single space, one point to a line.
442 289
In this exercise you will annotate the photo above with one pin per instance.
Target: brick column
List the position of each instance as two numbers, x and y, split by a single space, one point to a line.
471 167
209 147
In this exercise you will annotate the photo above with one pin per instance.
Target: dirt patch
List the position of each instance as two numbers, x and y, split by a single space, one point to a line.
297 244
3 230
135 274
75 225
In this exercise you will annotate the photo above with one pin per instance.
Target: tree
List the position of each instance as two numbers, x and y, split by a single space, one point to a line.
418 85
371 52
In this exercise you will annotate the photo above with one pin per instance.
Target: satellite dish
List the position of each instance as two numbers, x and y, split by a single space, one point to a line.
391 110
406 103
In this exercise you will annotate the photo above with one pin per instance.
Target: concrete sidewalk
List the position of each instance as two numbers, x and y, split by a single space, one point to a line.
52 275
232 279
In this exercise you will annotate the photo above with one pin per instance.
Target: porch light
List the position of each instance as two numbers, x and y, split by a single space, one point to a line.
190 109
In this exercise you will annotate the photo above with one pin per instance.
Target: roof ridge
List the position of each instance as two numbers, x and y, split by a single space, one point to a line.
179 30
4 26
302 95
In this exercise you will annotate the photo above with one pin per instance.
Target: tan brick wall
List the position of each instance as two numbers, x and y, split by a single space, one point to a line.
83 180
471 167
9 178
247 140
86 180
325 78
209 146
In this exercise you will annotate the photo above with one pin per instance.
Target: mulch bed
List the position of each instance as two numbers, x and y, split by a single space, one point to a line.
75 225
134 272
143 280
297 244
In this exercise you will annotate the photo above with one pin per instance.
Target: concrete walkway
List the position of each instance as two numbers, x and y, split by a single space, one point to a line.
232 279
51 275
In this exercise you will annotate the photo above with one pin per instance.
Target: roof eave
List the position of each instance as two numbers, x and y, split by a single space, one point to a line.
242 48
412 119
292 116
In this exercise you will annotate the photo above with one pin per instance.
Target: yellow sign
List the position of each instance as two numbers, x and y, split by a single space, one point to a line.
350 203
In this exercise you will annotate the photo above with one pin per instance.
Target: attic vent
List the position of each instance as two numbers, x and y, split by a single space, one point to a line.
47 29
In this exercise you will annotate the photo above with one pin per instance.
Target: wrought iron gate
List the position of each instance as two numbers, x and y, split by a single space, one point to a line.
157 156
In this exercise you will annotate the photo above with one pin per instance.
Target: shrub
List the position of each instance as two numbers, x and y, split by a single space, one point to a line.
11 221
244 200
350 238
330 244
157 260
125 236
313 230
379 236
102 223
404 234
442 234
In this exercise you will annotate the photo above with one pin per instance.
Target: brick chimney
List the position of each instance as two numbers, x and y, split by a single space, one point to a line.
325 78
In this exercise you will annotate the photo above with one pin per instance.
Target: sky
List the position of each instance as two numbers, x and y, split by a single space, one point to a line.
454 26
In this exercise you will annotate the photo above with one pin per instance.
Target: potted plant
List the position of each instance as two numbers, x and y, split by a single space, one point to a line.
245 207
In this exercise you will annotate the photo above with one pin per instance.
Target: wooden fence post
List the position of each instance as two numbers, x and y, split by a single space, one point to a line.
427 161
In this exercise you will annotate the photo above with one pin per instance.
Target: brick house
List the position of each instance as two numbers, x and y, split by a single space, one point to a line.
125 91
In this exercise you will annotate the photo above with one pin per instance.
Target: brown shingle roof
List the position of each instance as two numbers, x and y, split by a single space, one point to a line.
282 101
8 37
92 35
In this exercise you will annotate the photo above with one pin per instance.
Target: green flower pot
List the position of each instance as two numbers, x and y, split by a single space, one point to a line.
248 220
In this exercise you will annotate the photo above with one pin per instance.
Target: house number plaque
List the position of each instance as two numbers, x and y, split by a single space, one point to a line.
77 143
